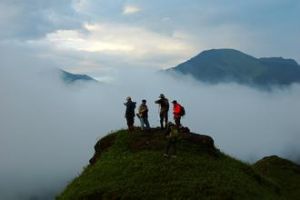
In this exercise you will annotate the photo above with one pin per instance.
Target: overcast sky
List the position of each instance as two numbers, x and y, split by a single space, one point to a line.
97 36
125 40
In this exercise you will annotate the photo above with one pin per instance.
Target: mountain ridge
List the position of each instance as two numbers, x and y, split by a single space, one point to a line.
230 65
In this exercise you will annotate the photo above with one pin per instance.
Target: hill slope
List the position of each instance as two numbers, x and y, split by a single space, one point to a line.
132 166
229 65
283 172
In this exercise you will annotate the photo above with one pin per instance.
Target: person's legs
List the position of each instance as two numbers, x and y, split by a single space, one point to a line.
142 123
147 123
130 122
177 121
166 118
161 116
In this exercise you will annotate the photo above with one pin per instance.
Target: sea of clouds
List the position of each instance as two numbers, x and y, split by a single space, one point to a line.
48 128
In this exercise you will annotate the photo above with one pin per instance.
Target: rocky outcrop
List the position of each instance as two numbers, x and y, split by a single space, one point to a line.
101 146
154 139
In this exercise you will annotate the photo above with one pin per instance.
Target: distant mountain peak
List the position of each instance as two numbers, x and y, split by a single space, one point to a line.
228 50
222 51
230 65
71 78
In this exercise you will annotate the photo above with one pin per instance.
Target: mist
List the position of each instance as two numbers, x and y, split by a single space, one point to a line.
48 129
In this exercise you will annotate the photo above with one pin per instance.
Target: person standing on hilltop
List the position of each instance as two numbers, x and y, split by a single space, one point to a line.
129 113
143 115
164 109
178 112
172 135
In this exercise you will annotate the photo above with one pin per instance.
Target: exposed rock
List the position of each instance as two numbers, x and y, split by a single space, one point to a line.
102 145
154 139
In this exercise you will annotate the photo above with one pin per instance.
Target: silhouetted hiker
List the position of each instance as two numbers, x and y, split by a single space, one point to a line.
129 113
172 136
143 115
178 112
164 109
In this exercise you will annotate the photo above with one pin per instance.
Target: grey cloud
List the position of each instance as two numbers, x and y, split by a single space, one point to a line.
267 28
33 18
207 24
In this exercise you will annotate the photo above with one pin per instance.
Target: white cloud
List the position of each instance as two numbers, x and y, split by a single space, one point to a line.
63 122
71 39
118 38
130 9
39 112
133 43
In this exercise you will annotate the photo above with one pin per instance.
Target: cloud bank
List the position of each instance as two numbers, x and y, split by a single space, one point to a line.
48 129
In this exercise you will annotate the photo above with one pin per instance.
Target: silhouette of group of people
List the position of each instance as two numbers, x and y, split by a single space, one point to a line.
142 113
172 130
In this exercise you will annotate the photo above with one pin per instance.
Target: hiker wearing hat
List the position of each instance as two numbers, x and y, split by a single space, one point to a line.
129 113
178 112
164 109
143 115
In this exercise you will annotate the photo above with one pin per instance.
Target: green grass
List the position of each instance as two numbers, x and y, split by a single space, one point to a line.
128 170
284 173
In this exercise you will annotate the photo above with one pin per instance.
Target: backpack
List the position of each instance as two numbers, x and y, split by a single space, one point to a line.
182 111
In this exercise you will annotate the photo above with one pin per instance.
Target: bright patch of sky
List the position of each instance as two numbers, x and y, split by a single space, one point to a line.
156 34
117 38
130 9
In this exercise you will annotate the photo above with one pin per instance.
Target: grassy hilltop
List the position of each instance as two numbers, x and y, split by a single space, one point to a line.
132 166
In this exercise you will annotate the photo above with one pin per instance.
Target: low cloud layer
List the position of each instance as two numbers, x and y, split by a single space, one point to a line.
48 129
